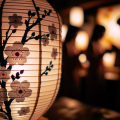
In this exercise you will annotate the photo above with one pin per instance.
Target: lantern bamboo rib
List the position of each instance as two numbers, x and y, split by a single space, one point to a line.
33 70
38 92
29 36
31 51
43 103
27 17
29 44
41 25
37 82
38 87
45 91
24 2
38 44
39 76
32 100
26 9
19 2
28 2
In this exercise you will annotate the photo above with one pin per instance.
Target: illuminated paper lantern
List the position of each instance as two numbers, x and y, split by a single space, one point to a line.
109 59
64 32
82 58
30 58
109 18
81 40
76 16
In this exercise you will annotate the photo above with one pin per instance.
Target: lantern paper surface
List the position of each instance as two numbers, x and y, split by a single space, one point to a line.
30 58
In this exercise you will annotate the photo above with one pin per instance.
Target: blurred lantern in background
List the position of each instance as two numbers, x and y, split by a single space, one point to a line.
82 58
85 64
76 16
64 31
81 41
30 58
109 59
109 17
76 19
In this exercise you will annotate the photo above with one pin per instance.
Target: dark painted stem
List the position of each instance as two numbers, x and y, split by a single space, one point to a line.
1 10
3 84
47 69
7 103
27 30
3 110
7 37
1 52
7 107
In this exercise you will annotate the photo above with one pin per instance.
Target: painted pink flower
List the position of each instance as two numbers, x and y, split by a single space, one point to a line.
52 30
15 20
20 90
23 111
4 74
17 53
54 53
45 40
3 95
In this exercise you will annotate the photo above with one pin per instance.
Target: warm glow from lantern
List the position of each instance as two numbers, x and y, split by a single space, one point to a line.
33 48
76 16
109 59
64 32
81 41
111 76
108 17
82 58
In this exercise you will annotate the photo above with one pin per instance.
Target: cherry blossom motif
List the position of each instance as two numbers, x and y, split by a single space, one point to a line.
4 74
45 40
54 53
3 95
20 90
23 111
52 30
15 20
17 53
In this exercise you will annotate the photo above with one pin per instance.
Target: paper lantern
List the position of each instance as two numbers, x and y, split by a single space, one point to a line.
109 59
30 58
82 58
82 40
64 32
109 18
76 16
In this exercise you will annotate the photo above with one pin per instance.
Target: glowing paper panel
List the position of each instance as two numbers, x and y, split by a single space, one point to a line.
30 58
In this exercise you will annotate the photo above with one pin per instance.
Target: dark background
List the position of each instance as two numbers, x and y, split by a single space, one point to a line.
93 89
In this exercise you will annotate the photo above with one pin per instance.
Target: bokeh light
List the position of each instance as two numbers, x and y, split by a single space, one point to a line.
109 59
64 31
82 58
76 16
82 40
